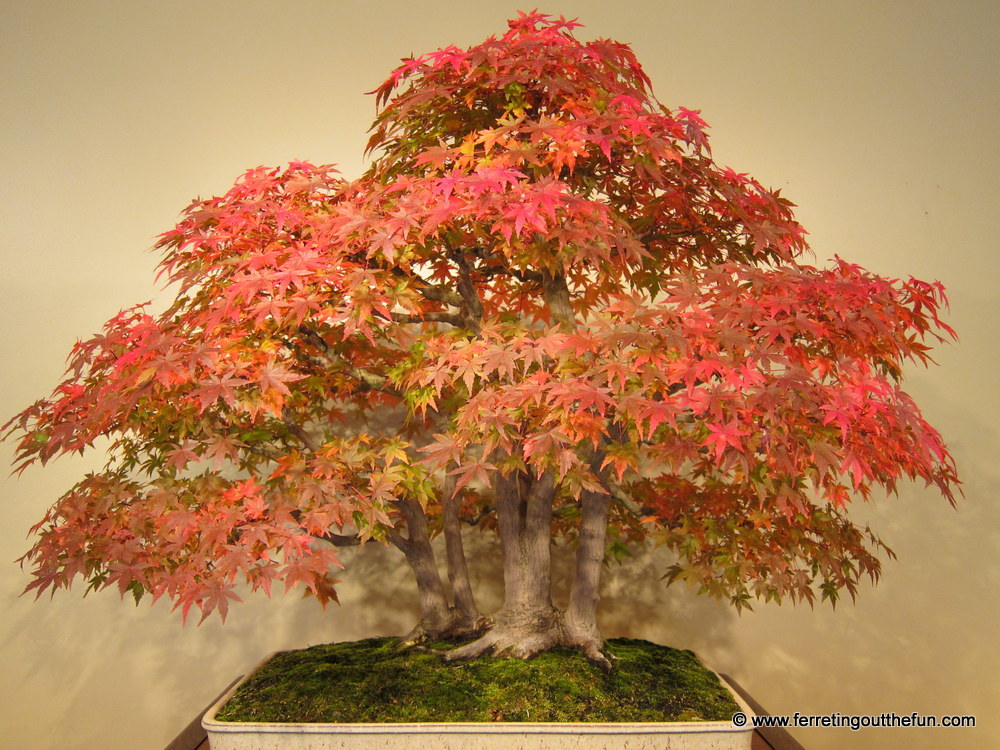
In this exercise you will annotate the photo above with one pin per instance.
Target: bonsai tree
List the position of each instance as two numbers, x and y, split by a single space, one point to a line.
545 311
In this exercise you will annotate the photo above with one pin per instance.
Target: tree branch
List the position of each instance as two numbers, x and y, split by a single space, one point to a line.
526 276
501 266
665 236
430 291
372 380
398 540
316 340
433 317
472 306
298 431
337 540
342 540
474 521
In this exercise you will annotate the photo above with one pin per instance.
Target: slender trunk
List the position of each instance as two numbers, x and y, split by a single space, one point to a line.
581 614
435 614
508 502
466 614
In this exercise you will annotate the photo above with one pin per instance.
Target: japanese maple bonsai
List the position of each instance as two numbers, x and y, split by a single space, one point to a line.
544 310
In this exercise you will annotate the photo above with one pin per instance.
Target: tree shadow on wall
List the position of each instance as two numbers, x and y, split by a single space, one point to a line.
930 622
637 603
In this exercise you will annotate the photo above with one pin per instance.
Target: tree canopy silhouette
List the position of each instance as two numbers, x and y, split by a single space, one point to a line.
544 310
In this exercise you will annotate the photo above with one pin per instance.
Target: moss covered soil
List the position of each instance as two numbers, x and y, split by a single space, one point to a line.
378 681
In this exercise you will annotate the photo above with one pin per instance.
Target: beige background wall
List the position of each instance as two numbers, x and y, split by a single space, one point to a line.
878 118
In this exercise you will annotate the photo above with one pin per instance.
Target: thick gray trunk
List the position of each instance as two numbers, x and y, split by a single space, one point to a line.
529 585
528 623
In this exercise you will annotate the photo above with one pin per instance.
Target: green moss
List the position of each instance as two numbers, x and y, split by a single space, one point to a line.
376 680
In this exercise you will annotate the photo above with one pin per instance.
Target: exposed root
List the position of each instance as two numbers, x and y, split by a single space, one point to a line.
419 634
465 629
588 639
455 629
523 642
596 656
509 634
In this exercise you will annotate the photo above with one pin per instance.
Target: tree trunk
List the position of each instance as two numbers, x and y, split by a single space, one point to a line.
465 613
528 623
435 614
581 614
